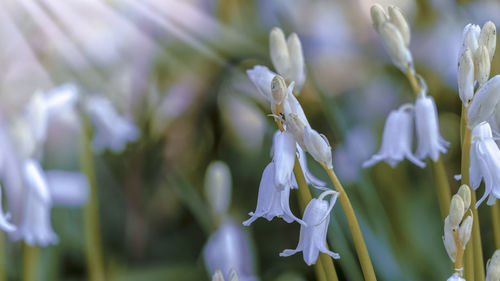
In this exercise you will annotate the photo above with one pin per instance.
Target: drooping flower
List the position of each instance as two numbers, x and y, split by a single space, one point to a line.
485 102
228 250
67 188
271 201
113 131
430 142
396 139
283 158
485 163
262 78
318 146
312 238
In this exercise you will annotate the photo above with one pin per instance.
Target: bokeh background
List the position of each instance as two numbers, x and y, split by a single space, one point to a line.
178 67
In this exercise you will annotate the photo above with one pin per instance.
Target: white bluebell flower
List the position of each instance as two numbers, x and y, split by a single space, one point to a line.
271 201
312 238
485 102
456 277
112 130
493 267
485 163
218 186
227 250
318 146
67 188
430 142
283 158
396 139
262 78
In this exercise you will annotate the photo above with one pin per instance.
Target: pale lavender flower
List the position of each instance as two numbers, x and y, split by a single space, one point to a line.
485 163
229 249
312 238
272 202
430 142
113 131
67 188
396 139
283 158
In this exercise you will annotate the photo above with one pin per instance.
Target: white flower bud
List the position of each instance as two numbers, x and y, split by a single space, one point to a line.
279 51
218 186
465 231
395 45
493 267
456 210
466 77
317 145
378 16
464 193
488 38
455 277
484 103
482 69
262 78
297 66
396 17
449 240
470 38
278 88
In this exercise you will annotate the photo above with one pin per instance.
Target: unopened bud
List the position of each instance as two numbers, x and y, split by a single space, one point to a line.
218 186
466 77
278 88
217 276
484 103
482 60
456 210
296 126
395 45
488 38
396 17
465 231
279 51
378 16
449 239
297 66
317 145
493 267
464 193
470 37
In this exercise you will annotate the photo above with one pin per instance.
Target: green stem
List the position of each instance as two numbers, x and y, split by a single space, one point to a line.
442 186
3 270
91 212
495 221
352 221
30 262
324 262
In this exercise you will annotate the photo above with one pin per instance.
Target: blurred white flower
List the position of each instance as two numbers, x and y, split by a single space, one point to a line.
485 163
229 249
5 225
455 277
112 131
272 202
430 142
312 238
396 139
218 186
493 267
70 189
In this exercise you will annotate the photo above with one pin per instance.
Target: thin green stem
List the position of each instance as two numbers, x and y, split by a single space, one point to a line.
473 256
442 186
91 212
495 221
30 262
352 221
324 262
3 270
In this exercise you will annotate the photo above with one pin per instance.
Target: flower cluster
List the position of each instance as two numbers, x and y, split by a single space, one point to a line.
398 131
296 136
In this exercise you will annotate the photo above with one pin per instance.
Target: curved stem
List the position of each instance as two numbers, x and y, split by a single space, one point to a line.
352 221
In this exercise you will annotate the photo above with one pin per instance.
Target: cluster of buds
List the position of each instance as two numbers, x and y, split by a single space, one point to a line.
458 226
395 33
294 137
476 54
397 137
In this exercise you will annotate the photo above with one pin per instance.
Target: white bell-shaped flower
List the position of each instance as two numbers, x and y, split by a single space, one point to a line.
312 238
396 139
430 142
485 163
283 158
113 131
35 227
271 201
228 250
456 277
262 78
67 188
485 102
